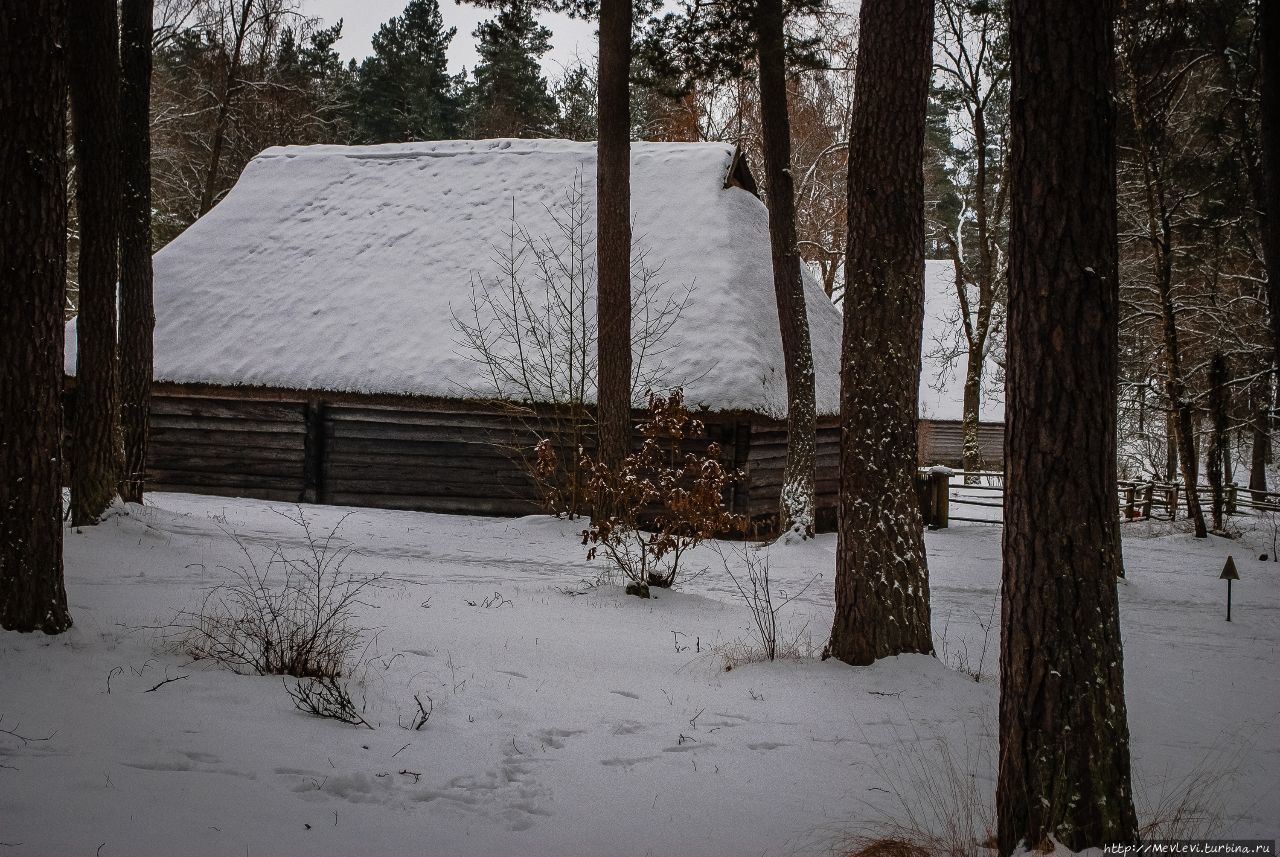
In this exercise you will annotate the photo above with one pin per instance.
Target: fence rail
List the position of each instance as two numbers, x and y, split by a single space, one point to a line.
1135 501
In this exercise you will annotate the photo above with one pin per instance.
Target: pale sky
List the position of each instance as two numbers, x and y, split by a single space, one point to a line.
361 19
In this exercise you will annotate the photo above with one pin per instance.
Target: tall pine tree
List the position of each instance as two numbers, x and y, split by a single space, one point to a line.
714 43
1064 735
405 91
96 453
33 270
137 313
882 577
509 96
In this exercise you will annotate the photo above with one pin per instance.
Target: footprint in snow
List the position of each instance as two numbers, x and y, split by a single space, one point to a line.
554 738
626 764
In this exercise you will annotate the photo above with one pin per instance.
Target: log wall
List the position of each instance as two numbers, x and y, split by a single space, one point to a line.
444 455
227 446
766 460
437 456
942 442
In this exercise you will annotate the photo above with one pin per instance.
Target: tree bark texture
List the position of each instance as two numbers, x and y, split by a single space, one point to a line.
1269 50
882 579
137 313
1064 736
613 233
33 271
799 500
95 121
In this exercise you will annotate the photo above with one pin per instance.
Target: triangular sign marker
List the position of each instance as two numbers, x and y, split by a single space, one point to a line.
1229 570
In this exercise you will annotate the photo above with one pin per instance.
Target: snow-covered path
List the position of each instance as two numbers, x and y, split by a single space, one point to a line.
576 724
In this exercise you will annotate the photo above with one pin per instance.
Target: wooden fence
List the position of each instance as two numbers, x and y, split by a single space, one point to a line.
941 496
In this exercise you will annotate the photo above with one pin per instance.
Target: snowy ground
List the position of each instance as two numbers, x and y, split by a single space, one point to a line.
587 724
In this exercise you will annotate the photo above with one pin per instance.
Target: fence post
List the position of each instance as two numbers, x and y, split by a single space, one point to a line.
1231 498
1130 493
924 496
1147 491
941 482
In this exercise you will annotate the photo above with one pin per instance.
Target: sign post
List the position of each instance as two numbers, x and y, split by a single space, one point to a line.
1229 574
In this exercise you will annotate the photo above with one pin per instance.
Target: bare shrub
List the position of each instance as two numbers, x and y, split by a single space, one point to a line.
758 592
290 613
796 646
958 657
531 329
678 497
327 697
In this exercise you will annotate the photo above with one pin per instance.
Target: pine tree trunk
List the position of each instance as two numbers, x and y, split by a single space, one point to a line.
1261 443
1269 90
137 315
799 499
1064 738
1217 457
882 579
95 114
1171 446
613 233
1189 460
33 271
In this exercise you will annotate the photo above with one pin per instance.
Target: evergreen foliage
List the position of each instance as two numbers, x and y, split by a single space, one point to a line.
508 96
405 91
575 96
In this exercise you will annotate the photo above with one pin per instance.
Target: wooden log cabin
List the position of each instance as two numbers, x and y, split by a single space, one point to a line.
309 338
307 344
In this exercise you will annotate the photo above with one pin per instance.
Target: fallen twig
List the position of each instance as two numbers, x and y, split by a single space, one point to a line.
166 681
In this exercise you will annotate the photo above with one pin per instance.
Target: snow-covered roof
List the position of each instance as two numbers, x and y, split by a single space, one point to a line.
942 374
340 268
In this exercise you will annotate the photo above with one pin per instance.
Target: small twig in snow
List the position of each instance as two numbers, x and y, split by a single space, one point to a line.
166 681
25 739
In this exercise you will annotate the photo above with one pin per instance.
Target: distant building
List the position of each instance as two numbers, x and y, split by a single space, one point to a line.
942 379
